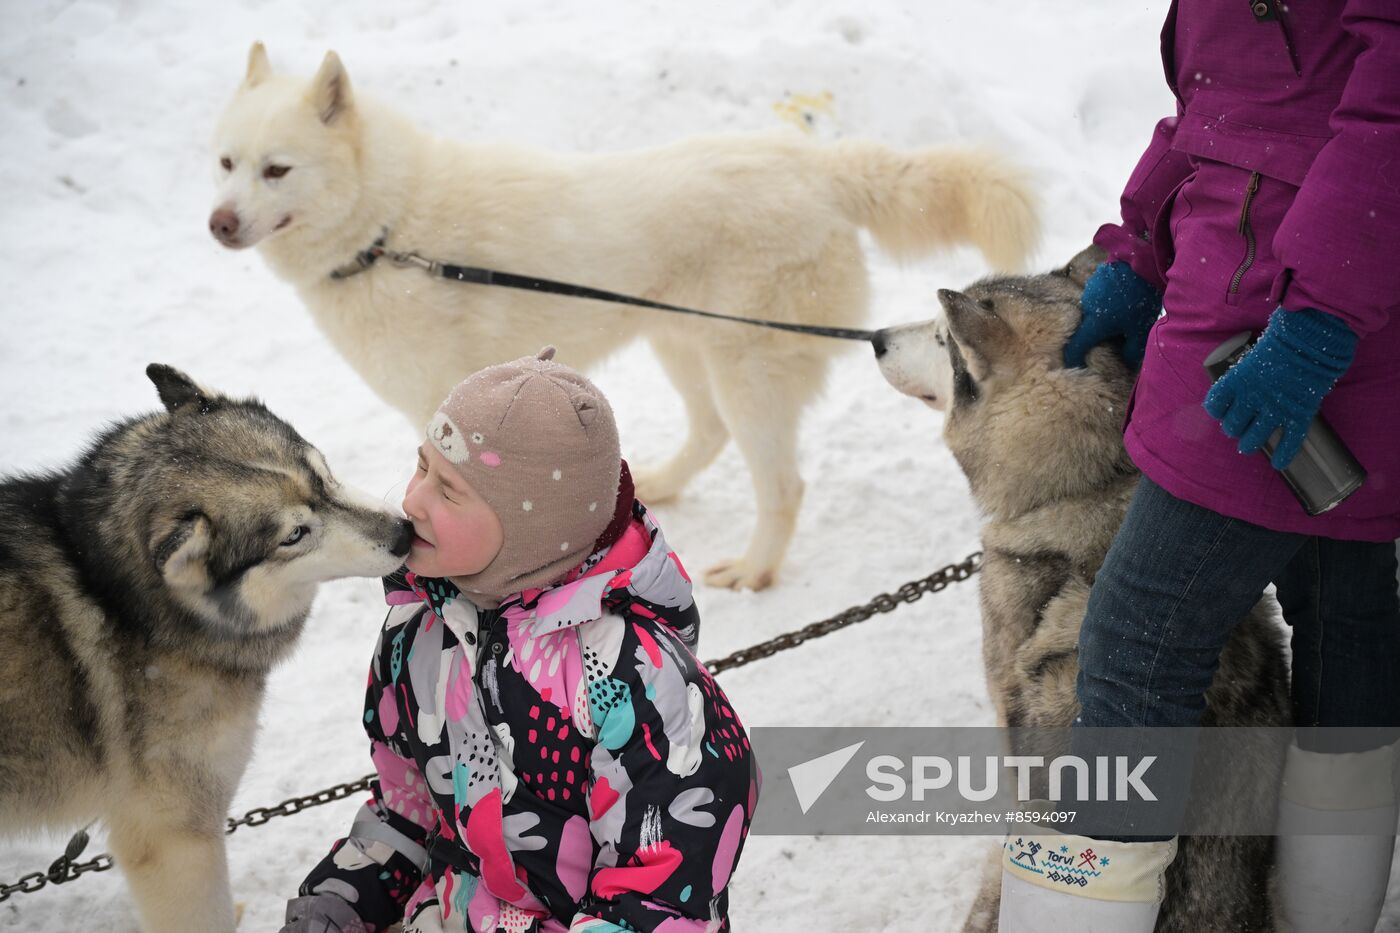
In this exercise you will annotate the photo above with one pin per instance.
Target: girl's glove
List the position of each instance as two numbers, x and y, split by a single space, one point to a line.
321 913
1279 384
1117 302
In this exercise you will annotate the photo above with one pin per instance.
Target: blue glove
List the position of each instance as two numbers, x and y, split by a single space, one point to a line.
1117 302
1279 384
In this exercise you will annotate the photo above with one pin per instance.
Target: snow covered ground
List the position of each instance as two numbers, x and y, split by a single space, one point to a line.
106 263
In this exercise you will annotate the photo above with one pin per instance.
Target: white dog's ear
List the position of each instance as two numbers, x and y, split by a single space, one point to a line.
330 89
981 334
259 68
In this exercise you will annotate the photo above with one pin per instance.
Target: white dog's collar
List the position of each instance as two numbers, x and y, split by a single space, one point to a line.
363 259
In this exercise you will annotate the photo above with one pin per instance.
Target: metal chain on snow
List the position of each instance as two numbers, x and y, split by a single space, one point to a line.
885 602
260 815
65 868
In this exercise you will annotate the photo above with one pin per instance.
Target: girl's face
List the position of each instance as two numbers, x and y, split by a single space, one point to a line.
455 533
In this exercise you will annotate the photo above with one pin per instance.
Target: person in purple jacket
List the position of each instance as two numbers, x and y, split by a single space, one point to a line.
1270 202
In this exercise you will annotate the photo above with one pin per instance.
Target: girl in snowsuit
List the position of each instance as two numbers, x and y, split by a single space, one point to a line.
550 755
1270 202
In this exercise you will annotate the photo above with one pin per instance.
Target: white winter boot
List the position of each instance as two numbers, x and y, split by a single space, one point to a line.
1055 882
1335 883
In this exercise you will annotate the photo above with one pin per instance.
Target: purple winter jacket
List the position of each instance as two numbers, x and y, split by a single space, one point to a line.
1277 183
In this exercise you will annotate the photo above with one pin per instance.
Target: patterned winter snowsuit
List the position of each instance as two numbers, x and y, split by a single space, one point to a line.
560 763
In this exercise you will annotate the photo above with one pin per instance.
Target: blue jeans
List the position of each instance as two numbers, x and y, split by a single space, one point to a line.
1177 580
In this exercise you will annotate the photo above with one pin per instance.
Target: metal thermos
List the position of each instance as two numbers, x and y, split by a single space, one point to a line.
1324 472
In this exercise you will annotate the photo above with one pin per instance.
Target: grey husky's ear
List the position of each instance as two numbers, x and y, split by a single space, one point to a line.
1083 265
981 333
180 552
176 389
259 68
330 89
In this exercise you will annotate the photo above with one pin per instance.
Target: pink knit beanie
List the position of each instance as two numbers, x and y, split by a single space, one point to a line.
538 442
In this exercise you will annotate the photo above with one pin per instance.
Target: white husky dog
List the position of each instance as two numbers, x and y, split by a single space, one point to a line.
755 225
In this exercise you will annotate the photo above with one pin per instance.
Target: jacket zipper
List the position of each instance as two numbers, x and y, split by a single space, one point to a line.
1247 231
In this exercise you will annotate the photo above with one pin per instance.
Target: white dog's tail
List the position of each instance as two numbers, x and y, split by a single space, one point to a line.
916 202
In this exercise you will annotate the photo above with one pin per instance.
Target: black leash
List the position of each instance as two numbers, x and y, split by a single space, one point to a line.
475 275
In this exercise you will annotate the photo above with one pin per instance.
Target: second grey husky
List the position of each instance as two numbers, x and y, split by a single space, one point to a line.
763 225
145 593
1041 446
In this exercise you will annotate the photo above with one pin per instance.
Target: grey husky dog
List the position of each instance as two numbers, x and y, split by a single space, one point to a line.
1042 450
145 593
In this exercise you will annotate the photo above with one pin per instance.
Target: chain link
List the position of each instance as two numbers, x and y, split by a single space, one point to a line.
63 869
260 815
66 867
885 602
